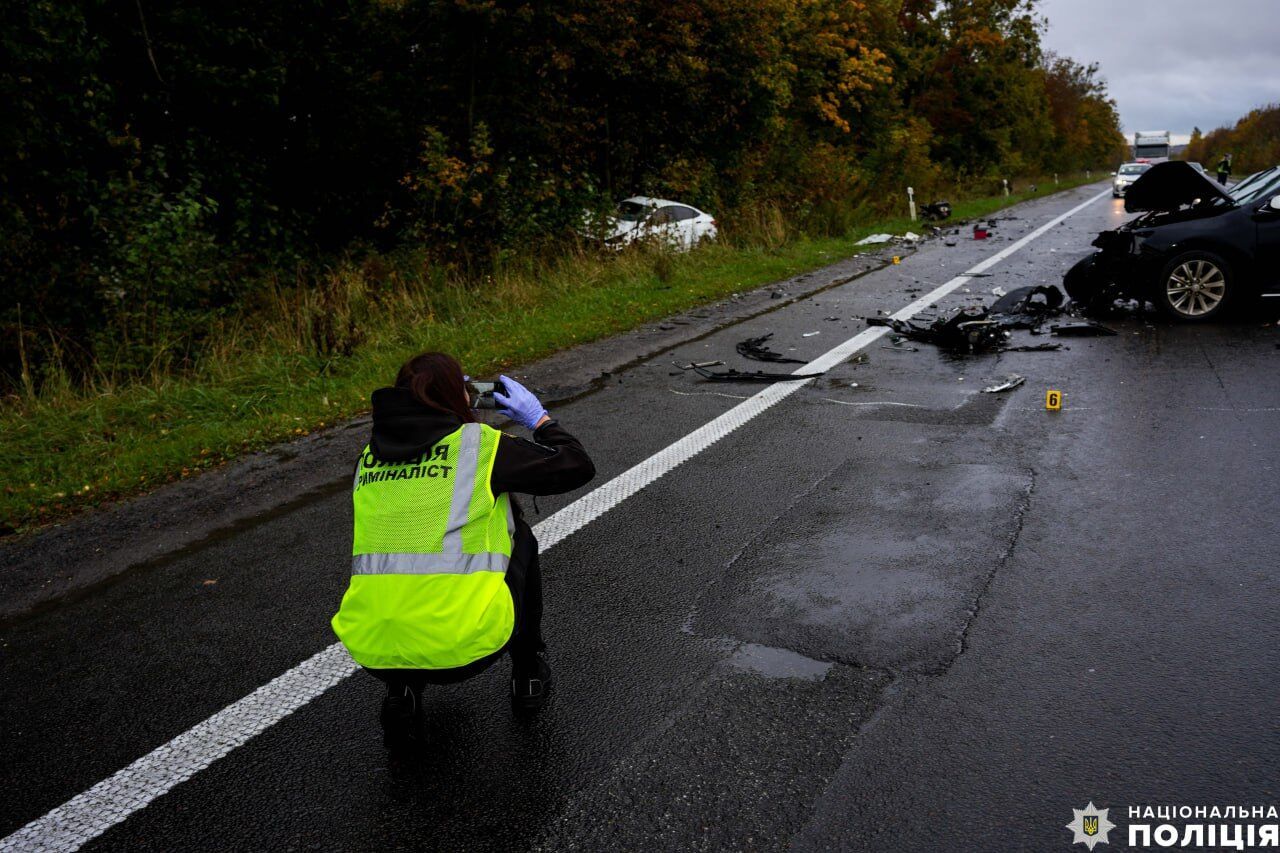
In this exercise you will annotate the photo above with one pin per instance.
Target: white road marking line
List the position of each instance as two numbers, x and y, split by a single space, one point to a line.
706 394
874 403
1237 411
86 816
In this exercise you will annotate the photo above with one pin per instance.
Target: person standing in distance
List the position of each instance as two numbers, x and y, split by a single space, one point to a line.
1224 169
444 569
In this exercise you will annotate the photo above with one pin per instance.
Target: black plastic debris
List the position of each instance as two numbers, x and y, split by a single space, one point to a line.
966 330
732 375
755 349
1082 329
1034 348
1028 307
936 212
975 329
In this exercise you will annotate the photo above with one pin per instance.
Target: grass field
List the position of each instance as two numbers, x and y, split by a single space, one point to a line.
70 449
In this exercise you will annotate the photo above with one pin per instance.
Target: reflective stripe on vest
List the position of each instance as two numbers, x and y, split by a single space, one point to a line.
451 559
432 545
427 564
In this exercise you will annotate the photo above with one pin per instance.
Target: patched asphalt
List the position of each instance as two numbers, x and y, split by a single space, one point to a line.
897 614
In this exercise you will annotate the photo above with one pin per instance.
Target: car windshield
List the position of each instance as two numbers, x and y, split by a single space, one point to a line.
1134 168
630 211
1262 185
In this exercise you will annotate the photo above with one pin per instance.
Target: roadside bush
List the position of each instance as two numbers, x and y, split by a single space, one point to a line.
165 168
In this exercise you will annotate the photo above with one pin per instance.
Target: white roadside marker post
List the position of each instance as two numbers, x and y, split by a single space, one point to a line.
911 202
1005 181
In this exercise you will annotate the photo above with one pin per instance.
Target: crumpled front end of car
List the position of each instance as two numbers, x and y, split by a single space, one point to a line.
1123 268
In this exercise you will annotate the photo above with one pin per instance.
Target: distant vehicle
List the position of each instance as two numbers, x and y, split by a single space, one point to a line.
1126 175
1196 249
1151 145
642 218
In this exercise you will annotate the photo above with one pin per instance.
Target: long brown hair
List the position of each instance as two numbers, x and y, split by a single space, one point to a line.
435 380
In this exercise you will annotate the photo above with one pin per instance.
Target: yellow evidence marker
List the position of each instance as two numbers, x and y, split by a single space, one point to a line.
1053 400
897 260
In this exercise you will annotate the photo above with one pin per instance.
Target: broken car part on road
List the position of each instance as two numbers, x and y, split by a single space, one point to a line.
973 329
755 349
966 330
732 375
1082 329
1028 307
1009 384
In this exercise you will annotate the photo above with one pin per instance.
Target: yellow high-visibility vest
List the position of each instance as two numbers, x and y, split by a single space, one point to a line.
429 558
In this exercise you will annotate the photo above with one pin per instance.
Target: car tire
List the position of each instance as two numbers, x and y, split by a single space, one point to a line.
1195 287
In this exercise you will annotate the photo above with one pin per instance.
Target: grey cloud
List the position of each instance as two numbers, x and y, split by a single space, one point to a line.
1174 64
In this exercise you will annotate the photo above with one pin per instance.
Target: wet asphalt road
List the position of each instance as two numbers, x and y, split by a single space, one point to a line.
901 615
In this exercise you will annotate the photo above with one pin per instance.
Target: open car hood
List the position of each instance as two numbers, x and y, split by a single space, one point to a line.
1168 186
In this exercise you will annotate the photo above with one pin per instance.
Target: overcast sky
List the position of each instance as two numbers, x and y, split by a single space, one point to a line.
1174 64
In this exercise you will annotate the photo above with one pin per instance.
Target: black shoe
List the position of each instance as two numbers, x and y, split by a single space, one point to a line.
401 718
530 683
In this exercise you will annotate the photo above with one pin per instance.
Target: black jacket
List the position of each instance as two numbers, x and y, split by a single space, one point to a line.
554 462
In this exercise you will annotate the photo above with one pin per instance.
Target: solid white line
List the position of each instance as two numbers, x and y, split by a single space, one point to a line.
874 403
706 394
88 815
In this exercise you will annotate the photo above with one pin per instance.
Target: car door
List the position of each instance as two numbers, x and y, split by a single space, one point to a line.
684 219
662 224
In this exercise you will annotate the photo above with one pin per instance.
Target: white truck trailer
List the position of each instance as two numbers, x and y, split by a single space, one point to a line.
1151 145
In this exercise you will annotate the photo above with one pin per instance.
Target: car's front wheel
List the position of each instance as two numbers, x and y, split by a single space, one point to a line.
1195 287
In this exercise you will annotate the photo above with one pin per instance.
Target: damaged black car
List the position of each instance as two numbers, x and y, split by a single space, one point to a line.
1197 249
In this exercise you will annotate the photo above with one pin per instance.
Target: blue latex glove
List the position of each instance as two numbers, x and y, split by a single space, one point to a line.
518 403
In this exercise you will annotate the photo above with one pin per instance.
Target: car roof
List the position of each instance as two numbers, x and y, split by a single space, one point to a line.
647 201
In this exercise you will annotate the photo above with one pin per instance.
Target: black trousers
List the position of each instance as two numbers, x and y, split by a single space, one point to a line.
524 579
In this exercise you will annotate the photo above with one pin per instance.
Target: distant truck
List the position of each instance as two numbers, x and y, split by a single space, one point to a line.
1151 145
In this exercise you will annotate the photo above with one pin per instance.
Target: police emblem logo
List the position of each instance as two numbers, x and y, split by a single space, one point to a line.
1090 826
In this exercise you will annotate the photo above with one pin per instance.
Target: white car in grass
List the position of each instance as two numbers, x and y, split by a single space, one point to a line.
638 218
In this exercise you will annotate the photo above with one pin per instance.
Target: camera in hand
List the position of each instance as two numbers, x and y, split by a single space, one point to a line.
482 394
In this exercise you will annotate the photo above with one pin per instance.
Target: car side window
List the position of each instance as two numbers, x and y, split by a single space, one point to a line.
663 215
679 213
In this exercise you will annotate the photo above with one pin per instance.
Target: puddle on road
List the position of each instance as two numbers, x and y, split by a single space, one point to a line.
773 662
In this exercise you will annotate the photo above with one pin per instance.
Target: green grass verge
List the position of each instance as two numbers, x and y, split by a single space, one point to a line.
71 451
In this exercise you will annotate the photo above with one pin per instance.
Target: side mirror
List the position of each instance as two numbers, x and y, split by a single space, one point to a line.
1275 203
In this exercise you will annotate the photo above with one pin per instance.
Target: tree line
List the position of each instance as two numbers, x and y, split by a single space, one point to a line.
1253 142
162 160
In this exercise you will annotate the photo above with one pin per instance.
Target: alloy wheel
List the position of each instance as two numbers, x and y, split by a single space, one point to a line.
1196 287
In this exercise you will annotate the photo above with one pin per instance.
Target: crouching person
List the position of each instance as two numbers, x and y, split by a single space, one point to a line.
444 570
